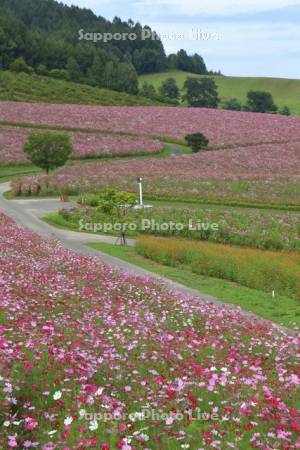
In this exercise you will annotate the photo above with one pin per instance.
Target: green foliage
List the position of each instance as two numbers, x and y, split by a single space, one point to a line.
61 38
48 150
127 80
33 88
182 61
285 111
60 74
19 65
148 91
41 70
201 93
232 104
169 89
197 141
74 73
260 101
116 203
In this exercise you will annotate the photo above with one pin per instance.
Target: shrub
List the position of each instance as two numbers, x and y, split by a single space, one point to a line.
60 74
19 65
260 101
285 111
197 141
41 70
232 104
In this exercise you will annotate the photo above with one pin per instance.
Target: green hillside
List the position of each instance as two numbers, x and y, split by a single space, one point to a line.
284 91
34 88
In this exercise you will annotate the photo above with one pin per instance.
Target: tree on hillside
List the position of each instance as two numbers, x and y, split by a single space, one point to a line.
260 101
127 79
169 89
197 141
97 70
232 104
73 69
148 91
48 150
188 63
285 111
19 65
201 93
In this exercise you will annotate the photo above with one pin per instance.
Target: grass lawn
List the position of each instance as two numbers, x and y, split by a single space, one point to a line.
33 88
284 91
283 310
11 171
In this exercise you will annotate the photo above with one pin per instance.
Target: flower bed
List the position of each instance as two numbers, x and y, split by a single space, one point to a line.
264 173
86 145
220 126
91 358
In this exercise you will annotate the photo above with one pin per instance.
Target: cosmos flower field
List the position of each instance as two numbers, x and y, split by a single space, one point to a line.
92 358
86 145
263 173
220 126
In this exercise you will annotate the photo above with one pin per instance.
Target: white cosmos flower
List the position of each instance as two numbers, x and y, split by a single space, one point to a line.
93 425
68 420
99 391
57 395
52 432
82 412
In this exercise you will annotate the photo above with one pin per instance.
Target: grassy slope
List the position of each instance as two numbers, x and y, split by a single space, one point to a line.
284 91
34 88
282 309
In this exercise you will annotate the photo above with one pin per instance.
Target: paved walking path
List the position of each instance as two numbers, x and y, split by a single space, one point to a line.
28 212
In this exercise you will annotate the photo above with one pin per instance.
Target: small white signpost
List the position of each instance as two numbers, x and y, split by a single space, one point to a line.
140 204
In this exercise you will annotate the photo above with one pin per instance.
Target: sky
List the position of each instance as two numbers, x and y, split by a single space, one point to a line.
238 37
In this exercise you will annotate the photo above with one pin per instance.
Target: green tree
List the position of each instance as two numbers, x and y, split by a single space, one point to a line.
127 79
41 70
169 89
232 104
201 93
197 141
97 70
285 111
117 205
260 101
61 74
148 91
19 65
73 69
48 150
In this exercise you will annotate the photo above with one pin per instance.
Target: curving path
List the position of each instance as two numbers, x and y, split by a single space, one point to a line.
27 213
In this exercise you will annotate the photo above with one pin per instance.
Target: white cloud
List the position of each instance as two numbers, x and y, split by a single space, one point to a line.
185 8
216 7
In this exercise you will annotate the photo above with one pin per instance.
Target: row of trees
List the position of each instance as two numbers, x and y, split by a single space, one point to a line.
203 93
106 73
257 101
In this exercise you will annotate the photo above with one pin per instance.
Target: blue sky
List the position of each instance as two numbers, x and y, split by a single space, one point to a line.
239 37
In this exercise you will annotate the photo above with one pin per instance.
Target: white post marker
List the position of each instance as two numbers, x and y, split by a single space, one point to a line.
140 184
140 203
273 294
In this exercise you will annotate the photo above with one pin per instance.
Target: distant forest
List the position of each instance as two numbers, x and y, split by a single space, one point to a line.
42 36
